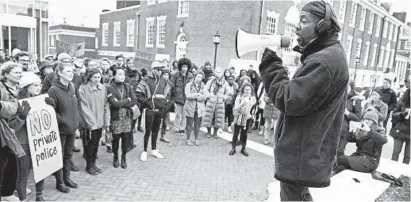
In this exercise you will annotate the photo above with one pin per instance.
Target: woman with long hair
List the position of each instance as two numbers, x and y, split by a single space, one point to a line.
10 148
63 91
96 115
122 99
30 86
227 74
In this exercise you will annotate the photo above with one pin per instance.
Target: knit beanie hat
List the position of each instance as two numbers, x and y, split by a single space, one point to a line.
317 8
63 56
371 115
157 65
28 78
165 71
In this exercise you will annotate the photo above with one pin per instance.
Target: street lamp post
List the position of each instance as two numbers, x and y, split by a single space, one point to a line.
216 41
357 60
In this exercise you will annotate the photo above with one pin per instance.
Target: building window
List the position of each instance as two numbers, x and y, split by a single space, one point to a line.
380 60
341 15
407 45
349 47
378 26
151 2
150 32
366 53
374 55
358 48
161 31
116 34
384 33
183 8
371 24
353 14
289 31
272 22
181 47
362 19
130 33
104 32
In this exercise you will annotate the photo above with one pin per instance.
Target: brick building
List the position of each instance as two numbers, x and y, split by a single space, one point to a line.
403 57
369 35
73 35
118 32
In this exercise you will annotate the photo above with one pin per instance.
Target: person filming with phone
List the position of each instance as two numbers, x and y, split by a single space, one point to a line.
312 103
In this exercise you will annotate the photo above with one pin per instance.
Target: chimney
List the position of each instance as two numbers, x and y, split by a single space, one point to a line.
386 6
402 16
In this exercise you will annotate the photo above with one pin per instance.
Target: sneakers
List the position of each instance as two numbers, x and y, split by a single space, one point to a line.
266 142
208 135
10 198
28 191
197 143
156 154
261 132
143 156
229 129
189 143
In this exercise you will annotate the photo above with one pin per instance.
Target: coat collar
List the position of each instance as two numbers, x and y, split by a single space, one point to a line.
317 44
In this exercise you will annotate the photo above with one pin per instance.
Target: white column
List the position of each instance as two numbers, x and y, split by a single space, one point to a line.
10 41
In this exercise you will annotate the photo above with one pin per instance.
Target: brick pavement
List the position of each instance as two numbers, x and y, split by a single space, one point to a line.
204 173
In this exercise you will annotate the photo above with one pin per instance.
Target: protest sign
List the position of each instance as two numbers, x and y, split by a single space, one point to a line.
74 50
143 60
44 138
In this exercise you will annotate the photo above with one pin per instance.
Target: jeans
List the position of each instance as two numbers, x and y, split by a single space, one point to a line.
397 150
180 121
291 192
166 121
193 123
124 143
268 134
8 171
153 122
133 128
229 114
343 142
67 144
24 165
259 116
92 145
243 134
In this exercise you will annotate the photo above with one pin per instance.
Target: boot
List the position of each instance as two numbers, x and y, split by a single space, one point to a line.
244 152
109 150
256 125
70 183
232 152
90 168
73 167
39 197
62 188
123 161
97 168
115 160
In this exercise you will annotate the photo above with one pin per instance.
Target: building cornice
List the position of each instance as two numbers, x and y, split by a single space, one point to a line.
72 33
121 9
380 11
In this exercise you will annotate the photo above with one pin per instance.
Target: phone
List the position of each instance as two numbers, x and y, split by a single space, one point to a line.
356 180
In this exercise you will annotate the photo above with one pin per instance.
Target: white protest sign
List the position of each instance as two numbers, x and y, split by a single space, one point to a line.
44 138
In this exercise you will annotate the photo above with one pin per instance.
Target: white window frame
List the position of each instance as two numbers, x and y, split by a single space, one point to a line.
160 19
275 16
341 14
381 59
371 24
116 24
353 14
150 20
374 54
407 45
362 18
385 31
350 41
358 48
151 2
378 26
104 27
52 37
96 43
289 31
179 9
366 53
131 30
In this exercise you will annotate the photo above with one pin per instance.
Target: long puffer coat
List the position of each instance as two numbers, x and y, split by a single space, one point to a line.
215 103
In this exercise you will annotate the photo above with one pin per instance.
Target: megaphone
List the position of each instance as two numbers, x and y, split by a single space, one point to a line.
246 42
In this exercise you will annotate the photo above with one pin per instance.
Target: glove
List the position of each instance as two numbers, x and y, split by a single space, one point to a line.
24 110
50 101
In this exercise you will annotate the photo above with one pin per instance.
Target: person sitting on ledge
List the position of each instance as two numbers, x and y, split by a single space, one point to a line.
369 139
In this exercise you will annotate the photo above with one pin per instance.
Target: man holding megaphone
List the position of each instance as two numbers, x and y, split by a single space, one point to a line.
312 103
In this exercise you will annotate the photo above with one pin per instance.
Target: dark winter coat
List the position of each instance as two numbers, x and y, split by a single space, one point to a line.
48 80
119 100
312 106
354 107
208 73
67 106
133 78
389 97
370 145
401 125
179 82
153 93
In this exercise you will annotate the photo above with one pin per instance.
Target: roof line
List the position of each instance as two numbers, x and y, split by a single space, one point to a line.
121 9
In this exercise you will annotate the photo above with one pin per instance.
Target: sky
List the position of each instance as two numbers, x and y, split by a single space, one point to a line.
86 12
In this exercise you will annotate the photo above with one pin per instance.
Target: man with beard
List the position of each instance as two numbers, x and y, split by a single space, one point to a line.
312 103
23 58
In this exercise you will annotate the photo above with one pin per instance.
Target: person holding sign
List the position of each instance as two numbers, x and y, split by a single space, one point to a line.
10 148
96 115
122 100
67 112
30 86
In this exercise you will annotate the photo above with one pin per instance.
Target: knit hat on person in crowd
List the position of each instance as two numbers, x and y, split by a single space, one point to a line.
28 78
15 52
371 115
49 56
157 65
46 64
63 56
388 80
317 8
165 71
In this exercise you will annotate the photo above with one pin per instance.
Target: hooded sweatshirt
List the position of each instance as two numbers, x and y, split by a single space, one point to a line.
67 109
